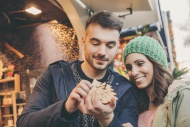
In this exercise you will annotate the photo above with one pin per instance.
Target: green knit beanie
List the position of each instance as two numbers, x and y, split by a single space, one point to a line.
147 46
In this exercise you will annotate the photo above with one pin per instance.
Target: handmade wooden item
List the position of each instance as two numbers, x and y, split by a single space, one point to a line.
104 90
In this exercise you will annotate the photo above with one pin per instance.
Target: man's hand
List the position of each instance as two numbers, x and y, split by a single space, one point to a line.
79 93
102 112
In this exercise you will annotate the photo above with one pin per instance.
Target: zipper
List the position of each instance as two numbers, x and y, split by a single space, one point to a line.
64 84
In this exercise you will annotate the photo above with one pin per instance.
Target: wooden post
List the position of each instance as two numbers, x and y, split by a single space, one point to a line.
17 83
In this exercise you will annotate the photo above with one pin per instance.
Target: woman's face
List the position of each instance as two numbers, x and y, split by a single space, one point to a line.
140 69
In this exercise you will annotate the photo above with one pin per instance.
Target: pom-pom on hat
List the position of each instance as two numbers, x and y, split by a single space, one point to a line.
147 46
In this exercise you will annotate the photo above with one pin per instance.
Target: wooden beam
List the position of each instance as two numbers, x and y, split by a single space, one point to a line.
14 50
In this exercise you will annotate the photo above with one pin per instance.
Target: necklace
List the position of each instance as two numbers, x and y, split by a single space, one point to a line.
87 120
78 78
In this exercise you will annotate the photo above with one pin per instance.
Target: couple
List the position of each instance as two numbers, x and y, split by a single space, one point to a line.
61 95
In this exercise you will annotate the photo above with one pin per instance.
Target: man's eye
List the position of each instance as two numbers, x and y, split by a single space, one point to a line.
95 43
110 46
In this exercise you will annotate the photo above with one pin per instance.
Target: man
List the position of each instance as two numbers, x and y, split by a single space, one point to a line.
61 97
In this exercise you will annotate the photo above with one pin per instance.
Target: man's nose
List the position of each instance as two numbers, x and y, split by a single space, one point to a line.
102 50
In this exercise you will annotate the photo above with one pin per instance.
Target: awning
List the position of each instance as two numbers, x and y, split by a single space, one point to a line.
143 11
118 5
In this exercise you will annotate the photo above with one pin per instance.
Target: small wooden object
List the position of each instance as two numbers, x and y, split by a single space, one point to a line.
104 90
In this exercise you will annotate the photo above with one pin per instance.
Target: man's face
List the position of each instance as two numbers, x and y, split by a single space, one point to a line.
100 46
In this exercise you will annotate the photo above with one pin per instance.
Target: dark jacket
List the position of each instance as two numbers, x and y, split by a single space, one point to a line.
46 105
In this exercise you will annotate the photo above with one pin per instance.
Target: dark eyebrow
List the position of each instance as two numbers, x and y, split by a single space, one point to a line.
112 42
138 60
95 39
134 62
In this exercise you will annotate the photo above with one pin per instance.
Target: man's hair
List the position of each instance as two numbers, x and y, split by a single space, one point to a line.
106 20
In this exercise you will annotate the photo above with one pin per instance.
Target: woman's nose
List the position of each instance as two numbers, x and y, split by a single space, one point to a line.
134 72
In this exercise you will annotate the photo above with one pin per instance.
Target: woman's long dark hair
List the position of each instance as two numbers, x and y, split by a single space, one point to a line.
161 81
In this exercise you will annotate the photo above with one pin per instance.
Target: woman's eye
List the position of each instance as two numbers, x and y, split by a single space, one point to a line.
128 67
140 63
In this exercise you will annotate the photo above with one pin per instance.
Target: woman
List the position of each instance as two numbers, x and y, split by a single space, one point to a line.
162 102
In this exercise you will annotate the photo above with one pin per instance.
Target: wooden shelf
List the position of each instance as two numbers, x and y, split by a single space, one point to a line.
15 80
6 93
20 104
9 126
8 105
9 110
7 79
9 115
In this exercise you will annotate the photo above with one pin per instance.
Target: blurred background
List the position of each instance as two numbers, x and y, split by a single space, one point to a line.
180 16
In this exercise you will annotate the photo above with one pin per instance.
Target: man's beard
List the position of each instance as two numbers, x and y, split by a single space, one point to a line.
95 67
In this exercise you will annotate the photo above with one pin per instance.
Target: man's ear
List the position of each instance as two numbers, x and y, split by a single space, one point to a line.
117 49
116 52
83 40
